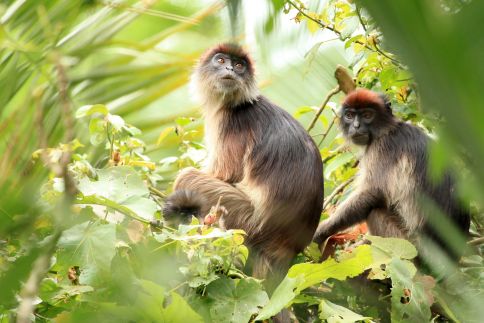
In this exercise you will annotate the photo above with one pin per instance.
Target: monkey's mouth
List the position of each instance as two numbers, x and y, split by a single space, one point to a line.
228 78
360 139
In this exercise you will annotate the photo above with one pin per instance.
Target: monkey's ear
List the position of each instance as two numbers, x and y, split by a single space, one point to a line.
386 102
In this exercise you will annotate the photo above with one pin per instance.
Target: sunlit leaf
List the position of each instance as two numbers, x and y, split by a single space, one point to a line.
88 110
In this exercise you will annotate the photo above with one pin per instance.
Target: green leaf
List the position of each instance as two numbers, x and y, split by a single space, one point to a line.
409 301
312 26
334 313
302 276
91 246
183 121
287 290
394 247
180 311
123 185
354 39
163 134
12 278
235 300
350 25
133 131
336 163
303 110
87 110
388 77
97 131
384 250
116 121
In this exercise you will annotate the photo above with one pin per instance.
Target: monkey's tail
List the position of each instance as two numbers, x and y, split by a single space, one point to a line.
181 205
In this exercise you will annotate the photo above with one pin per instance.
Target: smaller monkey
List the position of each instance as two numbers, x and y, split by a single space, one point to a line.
392 177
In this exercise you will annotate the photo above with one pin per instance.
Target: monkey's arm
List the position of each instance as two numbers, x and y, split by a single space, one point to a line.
352 211
210 189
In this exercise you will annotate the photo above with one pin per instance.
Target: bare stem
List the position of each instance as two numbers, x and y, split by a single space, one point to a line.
336 191
30 290
476 242
321 108
41 265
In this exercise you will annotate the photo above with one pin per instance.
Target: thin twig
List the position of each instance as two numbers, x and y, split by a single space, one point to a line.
337 32
327 131
334 154
476 242
41 265
156 192
336 191
30 290
62 83
360 18
321 108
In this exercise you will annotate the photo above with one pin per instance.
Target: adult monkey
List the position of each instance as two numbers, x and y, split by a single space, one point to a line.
260 159
392 177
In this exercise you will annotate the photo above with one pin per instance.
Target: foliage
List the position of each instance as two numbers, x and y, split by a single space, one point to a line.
97 123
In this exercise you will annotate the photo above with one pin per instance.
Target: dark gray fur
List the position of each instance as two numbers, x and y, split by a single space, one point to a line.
261 160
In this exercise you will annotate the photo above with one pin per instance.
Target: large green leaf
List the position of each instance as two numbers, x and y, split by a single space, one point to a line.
409 301
91 246
122 185
235 301
304 275
334 313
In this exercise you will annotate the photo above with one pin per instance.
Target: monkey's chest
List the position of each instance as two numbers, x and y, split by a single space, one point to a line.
230 158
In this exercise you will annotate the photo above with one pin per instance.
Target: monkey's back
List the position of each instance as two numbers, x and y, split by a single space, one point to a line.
283 171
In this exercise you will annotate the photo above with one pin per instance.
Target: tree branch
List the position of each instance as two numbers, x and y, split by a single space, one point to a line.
476 242
41 265
321 108
337 32
336 191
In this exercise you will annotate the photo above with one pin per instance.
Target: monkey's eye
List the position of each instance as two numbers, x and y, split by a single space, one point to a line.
220 60
348 115
239 65
367 114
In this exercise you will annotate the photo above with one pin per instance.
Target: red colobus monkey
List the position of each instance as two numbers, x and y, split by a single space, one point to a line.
260 159
392 177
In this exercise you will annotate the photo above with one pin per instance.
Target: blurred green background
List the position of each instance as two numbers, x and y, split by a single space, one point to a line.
135 58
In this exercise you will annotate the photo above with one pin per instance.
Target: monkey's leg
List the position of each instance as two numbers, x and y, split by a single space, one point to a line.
269 259
272 265
238 205
352 211
383 223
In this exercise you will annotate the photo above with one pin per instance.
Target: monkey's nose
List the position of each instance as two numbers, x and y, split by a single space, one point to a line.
229 67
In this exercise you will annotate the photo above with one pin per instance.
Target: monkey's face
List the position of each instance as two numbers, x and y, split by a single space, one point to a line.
358 124
229 73
224 78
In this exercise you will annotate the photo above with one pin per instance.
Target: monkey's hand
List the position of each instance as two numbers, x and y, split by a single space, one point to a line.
216 214
322 233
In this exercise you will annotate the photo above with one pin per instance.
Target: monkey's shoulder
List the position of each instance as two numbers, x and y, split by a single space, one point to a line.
266 121
402 150
404 138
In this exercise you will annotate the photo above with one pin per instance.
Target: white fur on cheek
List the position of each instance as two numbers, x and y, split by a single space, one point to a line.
210 93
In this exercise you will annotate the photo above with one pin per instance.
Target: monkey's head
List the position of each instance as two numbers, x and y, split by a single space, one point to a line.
224 77
365 116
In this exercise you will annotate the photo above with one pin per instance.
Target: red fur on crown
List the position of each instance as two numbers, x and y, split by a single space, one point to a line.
229 49
362 98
